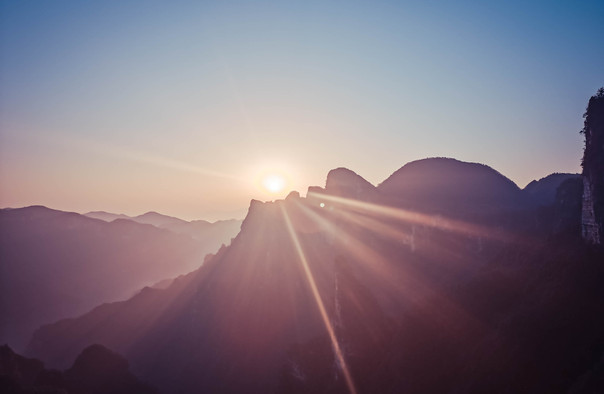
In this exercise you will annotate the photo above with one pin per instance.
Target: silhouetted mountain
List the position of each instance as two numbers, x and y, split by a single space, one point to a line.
58 264
343 182
452 187
543 191
96 370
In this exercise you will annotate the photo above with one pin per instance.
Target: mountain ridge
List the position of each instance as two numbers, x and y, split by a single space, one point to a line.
252 301
75 262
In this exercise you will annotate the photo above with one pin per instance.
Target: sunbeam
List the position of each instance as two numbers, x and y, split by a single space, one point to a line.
411 285
359 249
319 302
435 221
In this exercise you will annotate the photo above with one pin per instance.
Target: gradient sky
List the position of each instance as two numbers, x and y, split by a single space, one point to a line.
180 107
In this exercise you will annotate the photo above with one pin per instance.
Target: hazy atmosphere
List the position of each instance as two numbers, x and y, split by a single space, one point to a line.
181 108
275 197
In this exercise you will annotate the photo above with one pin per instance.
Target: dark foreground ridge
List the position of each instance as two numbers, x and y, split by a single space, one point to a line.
96 370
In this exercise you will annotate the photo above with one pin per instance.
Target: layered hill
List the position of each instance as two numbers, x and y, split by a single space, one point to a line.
213 234
58 264
106 216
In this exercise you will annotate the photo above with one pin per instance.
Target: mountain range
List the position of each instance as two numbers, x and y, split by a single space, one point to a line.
211 232
446 277
57 264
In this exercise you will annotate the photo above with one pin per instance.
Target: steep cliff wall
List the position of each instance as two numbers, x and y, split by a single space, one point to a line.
590 228
592 217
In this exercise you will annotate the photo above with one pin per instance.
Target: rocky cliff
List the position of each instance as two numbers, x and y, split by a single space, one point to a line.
592 217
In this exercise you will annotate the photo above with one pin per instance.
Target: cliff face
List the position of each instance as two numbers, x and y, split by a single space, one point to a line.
590 228
592 217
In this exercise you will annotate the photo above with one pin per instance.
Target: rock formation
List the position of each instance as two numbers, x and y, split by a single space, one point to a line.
592 215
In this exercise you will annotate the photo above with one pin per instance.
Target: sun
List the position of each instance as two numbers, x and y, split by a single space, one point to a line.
273 183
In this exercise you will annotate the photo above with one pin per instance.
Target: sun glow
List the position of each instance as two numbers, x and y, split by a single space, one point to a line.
273 183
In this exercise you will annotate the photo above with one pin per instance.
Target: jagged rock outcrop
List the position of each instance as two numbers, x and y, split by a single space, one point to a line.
344 182
592 219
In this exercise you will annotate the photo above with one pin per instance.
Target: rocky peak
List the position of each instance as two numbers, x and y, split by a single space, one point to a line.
592 220
344 182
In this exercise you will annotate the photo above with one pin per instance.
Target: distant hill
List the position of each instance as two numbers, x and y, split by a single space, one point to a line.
158 220
543 191
209 232
106 216
56 264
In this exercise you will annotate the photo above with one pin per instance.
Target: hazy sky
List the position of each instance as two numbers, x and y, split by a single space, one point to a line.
181 107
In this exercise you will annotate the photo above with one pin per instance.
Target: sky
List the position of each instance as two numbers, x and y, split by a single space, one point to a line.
185 107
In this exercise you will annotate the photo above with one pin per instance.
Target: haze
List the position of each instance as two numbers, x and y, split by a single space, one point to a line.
185 108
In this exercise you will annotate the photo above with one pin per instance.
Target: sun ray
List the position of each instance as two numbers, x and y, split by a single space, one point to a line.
404 215
317 296
411 285
128 153
359 249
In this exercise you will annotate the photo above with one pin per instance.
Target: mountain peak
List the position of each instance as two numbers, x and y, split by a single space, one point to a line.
150 213
344 182
158 219
449 184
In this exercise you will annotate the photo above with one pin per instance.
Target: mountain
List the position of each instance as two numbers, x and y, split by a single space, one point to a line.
106 216
95 370
452 187
215 233
344 182
543 191
58 264
212 233
158 220
330 293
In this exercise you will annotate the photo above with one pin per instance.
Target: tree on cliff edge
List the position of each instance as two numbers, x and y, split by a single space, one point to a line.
593 154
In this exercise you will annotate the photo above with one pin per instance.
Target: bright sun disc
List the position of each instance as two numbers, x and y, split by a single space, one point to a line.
273 183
